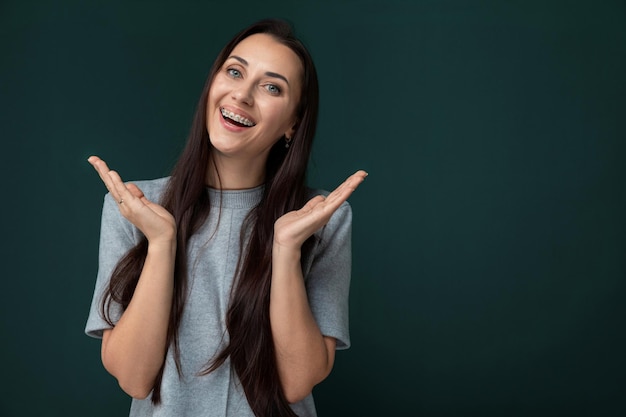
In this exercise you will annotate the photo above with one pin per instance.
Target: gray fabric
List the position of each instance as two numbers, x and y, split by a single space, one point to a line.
213 254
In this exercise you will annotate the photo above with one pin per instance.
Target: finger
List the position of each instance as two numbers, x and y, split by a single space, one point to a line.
312 203
353 181
136 191
100 166
345 189
122 193
350 184
102 169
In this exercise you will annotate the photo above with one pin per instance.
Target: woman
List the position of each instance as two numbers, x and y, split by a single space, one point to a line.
229 297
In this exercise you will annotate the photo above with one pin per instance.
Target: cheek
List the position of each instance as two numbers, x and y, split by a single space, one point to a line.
281 121
211 97
215 91
210 117
282 114
212 101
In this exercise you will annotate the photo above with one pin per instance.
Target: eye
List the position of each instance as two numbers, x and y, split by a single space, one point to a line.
233 72
273 89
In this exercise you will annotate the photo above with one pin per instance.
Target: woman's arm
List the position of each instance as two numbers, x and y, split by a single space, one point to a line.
304 356
134 350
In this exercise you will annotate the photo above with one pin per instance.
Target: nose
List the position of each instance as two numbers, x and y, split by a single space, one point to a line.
243 94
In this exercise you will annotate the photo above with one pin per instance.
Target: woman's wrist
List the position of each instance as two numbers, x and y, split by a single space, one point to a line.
163 246
286 253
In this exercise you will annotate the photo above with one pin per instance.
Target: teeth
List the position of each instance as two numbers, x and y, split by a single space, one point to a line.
236 117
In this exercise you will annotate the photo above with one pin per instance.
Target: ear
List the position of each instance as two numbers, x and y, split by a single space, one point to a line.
290 132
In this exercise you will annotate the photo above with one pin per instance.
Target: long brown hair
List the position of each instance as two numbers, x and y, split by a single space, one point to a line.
251 347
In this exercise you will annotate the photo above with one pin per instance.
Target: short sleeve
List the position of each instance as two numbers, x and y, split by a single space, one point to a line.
117 236
328 279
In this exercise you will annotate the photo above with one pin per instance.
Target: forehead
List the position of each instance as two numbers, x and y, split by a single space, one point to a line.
263 51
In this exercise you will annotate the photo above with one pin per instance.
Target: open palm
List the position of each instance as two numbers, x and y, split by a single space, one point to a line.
153 220
294 228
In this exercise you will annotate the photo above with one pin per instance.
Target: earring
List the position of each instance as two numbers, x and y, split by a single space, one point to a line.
287 141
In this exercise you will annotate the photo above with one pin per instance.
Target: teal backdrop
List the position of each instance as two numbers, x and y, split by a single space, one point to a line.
489 239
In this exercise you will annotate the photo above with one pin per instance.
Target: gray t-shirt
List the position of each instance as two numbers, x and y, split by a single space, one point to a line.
213 256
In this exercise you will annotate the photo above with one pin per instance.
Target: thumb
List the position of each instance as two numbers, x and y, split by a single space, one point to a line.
134 190
312 203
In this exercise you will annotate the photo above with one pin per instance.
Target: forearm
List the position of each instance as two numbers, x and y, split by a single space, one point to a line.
304 356
134 350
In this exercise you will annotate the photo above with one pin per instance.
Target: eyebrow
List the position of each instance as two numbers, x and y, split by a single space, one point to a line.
268 73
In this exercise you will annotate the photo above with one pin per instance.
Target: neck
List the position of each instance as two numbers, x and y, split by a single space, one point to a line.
234 174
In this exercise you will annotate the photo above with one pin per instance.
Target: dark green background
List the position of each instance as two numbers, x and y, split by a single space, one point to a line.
489 239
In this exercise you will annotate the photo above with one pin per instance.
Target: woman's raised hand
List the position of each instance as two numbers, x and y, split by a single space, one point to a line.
156 223
294 228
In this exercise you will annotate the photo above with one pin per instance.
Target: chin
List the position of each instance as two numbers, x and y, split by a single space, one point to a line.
224 148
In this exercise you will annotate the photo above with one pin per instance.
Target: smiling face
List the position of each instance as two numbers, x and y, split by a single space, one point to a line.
253 99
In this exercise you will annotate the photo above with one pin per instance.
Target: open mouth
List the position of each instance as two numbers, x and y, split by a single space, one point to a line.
236 119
